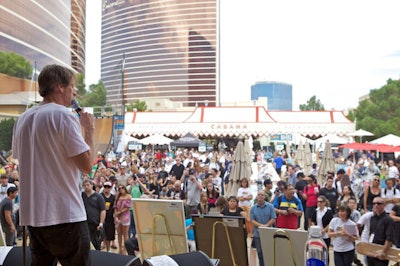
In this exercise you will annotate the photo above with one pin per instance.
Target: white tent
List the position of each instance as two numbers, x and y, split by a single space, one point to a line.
297 138
156 139
389 139
333 139
124 142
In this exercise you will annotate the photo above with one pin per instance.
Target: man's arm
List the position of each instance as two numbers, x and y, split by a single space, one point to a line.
382 254
7 215
85 160
102 219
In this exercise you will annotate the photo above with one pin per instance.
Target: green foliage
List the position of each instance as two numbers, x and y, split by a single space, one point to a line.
139 105
15 65
380 113
96 96
80 86
313 104
6 131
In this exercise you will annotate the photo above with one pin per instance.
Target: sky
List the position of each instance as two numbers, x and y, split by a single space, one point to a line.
336 50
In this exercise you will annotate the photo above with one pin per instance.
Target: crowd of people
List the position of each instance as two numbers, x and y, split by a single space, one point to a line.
200 181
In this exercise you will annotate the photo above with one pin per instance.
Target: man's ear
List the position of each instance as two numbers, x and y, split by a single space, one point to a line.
60 89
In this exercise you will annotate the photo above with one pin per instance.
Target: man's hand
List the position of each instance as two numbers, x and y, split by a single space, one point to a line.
100 226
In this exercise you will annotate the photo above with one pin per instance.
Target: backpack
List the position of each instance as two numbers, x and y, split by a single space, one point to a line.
394 191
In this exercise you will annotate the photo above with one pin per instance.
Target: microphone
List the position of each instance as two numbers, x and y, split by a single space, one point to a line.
77 108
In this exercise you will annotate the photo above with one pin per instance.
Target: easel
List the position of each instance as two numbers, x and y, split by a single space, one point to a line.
171 243
228 239
284 235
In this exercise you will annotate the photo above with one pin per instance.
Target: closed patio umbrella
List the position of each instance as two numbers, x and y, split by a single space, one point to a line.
240 169
299 158
307 159
327 163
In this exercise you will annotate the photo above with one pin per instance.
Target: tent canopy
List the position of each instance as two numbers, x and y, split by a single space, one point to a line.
187 141
156 139
389 139
238 122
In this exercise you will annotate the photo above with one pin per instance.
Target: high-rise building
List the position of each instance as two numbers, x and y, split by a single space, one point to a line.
279 94
160 49
45 32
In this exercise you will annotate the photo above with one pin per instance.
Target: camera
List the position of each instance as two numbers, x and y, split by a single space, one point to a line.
277 190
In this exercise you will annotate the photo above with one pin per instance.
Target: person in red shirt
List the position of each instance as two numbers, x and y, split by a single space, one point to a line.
288 208
310 194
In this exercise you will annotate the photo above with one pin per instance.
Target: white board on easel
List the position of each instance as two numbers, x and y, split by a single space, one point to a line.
160 227
280 249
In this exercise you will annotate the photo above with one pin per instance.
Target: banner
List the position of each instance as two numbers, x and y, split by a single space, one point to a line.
118 129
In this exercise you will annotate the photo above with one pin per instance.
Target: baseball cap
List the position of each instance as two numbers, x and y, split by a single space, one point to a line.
107 184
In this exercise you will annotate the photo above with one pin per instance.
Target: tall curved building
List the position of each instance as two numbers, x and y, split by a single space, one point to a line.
45 32
154 49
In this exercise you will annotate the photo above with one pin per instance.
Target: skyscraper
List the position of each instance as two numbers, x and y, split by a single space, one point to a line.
160 49
45 32
279 94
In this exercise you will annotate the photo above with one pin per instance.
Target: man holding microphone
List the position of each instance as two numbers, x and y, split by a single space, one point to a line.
52 154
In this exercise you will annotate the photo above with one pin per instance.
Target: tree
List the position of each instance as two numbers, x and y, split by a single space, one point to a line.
15 65
80 86
380 113
6 131
313 104
96 96
138 105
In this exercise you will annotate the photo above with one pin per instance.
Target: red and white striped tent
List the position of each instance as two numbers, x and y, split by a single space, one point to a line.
237 121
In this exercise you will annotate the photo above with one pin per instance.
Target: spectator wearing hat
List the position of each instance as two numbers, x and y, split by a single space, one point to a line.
109 225
122 176
4 187
7 216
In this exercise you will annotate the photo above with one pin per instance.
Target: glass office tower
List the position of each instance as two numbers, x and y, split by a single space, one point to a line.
45 32
160 49
279 94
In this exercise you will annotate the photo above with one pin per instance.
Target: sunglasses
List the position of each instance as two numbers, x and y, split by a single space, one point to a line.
107 187
377 203
320 201
377 180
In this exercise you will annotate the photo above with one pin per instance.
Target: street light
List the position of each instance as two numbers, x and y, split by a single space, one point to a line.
122 85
